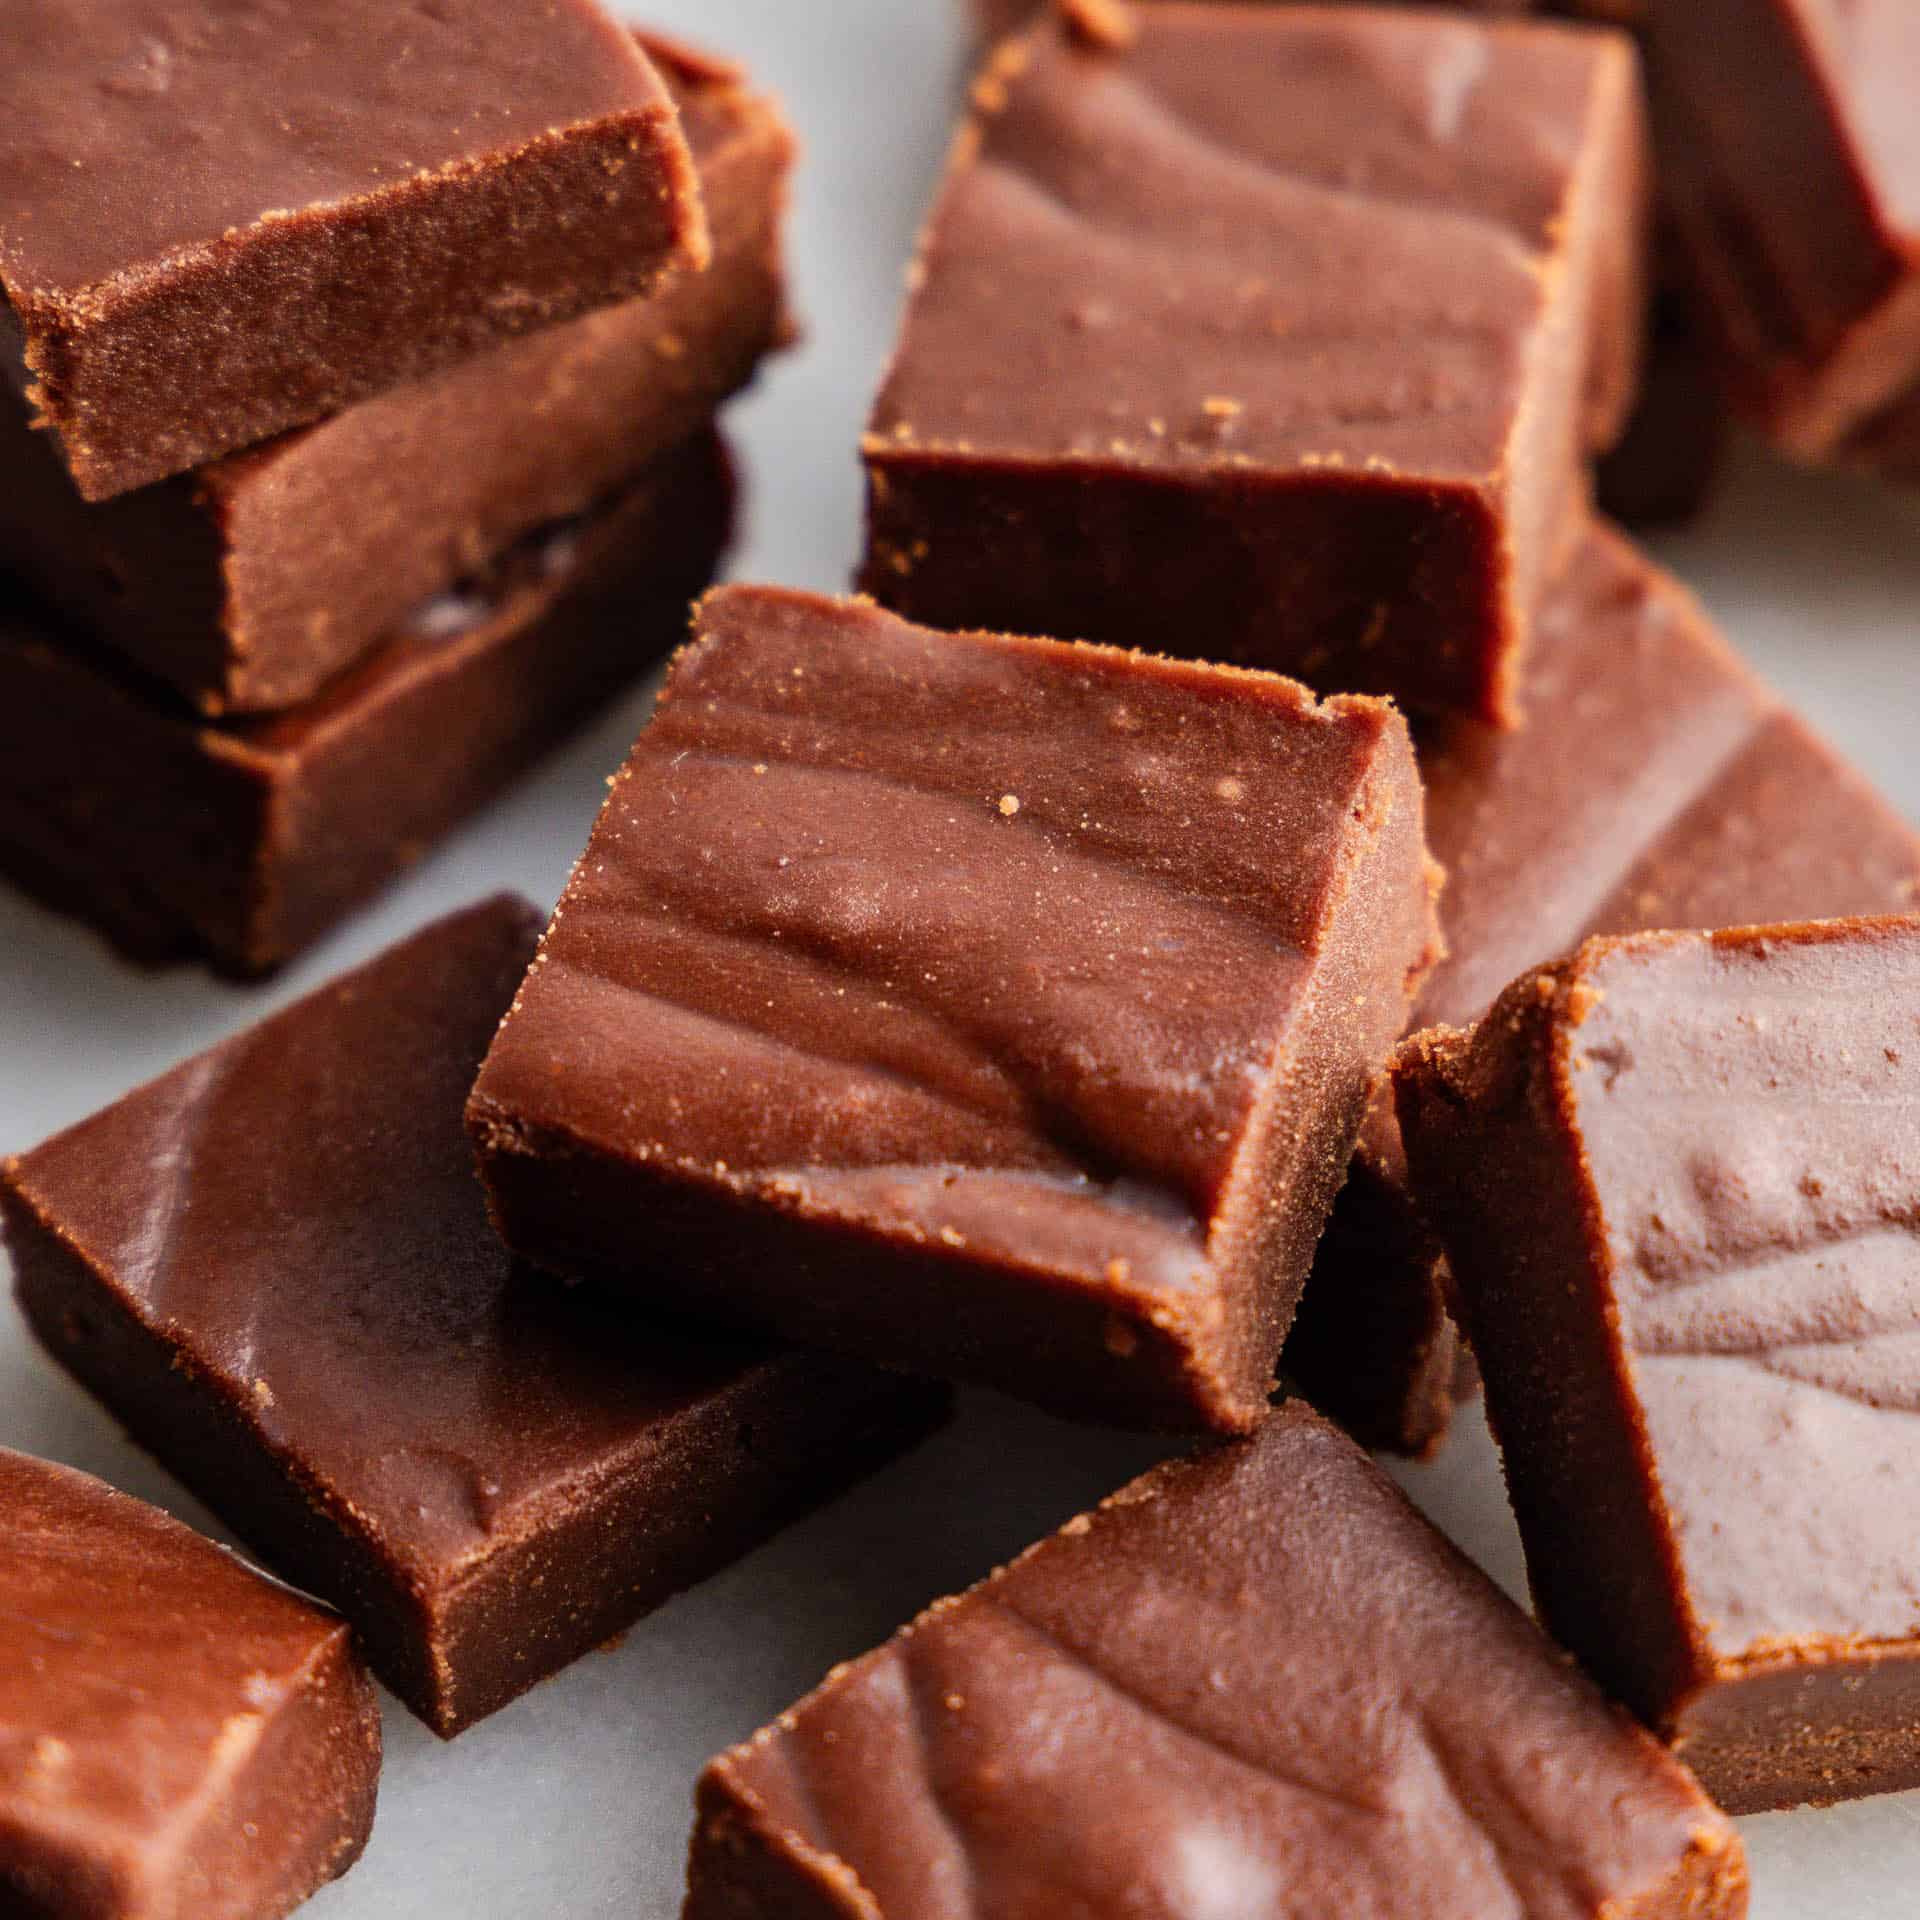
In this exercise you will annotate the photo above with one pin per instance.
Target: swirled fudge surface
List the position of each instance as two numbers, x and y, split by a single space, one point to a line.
1256 1684
998 1008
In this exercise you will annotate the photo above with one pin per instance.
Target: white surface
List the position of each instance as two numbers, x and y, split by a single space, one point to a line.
574 1802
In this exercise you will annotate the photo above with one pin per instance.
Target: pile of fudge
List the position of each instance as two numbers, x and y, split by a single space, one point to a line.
1382 940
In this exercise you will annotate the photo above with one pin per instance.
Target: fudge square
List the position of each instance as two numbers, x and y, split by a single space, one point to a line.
214 581
1678 1177
178 1734
995 1007
1252 1684
222 218
1275 336
1659 782
1789 162
274 1266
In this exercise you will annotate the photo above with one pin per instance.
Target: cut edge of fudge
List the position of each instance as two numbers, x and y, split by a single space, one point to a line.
555 1184
747 1862
1782 1721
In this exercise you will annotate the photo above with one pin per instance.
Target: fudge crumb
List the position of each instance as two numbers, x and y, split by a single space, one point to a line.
1009 804
1108 25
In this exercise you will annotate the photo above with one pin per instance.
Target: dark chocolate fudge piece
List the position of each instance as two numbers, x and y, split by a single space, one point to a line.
244 842
1252 1684
247 584
487 1473
178 1735
1678 1178
998 1008
1302 389
222 218
1658 784
1791 159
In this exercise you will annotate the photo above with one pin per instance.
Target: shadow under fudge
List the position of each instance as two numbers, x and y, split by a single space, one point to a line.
209 237
1678 1178
178 1733
997 1008
1659 783
1169 379
242 843
274 1265
1251 1683
247 584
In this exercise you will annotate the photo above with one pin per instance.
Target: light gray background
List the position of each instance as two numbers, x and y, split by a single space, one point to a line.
574 1802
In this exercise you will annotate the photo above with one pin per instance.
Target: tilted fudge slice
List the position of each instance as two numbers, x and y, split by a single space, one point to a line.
998 1008
1678 1179
178 1734
1253 1685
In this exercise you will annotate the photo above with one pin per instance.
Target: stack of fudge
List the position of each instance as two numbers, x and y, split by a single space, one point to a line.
1121 1019
359 441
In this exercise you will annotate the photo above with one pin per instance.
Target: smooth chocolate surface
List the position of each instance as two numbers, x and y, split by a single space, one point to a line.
178 1735
1303 390
1658 784
222 218
488 1473
249 583
242 843
1254 1684
1678 1178
1791 157
998 1008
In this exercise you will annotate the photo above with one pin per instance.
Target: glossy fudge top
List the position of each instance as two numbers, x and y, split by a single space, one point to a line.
420 1389
136 129
1747 1106
1137 263
970 942
141 1670
1257 1681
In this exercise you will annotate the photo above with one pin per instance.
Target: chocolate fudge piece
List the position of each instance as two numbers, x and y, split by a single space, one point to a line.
178 1735
243 843
1249 1684
249 583
994 18
219 219
1307 389
1668 462
487 1473
997 1008
1678 1178
1789 156
1659 784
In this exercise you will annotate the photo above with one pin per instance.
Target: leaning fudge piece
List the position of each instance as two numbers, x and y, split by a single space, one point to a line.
1658 784
1790 160
243 843
488 1474
1306 390
178 1735
219 219
249 583
1678 1178
1253 1684
997 1008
